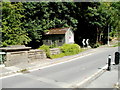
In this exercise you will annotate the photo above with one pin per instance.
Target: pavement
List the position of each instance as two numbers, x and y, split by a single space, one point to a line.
109 79
101 79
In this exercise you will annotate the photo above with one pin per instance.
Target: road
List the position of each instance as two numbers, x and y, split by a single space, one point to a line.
61 75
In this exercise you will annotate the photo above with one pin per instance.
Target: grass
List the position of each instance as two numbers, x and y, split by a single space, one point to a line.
23 71
116 45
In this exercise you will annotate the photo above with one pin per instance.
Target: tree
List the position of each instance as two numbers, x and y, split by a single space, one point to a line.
25 23
12 31
110 18
42 16
89 22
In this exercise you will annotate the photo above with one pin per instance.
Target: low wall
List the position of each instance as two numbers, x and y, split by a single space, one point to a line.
17 57
54 51
13 58
36 54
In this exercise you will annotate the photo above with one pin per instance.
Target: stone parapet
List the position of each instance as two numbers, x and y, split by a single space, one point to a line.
36 54
17 54
20 54
54 51
13 58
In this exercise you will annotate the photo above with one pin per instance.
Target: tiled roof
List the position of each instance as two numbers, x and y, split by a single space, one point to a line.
57 31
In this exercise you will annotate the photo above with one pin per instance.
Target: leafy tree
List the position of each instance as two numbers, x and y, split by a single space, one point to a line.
95 19
0 24
115 18
26 22
42 16
88 18
12 31
110 18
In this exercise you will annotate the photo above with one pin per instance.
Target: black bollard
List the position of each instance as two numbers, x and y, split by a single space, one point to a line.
117 57
109 63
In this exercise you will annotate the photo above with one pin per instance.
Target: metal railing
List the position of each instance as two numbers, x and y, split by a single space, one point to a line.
2 57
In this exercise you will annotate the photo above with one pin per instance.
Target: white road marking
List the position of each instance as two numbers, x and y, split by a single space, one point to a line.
11 75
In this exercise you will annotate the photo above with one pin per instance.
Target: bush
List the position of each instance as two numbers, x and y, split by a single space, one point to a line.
46 49
67 49
70 49
53 46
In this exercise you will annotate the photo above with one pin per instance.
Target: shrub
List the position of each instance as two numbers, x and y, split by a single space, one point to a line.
70 49
53 46
46 49
67 49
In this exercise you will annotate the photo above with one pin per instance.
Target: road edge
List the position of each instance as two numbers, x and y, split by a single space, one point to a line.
88 80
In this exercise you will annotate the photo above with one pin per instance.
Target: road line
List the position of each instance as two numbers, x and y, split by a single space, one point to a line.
10 75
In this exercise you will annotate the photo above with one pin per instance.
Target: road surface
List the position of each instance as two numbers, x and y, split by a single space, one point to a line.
61 75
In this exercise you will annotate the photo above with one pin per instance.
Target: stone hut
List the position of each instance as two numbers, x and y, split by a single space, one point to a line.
58 36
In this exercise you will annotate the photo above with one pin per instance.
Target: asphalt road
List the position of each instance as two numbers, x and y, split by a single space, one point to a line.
61 75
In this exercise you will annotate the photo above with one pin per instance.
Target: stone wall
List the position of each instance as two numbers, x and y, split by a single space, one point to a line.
17 57
36 54
54 51
13 58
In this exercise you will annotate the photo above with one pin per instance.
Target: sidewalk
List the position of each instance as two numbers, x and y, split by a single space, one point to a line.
108 79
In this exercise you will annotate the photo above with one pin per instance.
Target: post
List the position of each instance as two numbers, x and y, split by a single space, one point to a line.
109 63
117 57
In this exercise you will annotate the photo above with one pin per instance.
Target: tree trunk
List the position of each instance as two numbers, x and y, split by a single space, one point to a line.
97 40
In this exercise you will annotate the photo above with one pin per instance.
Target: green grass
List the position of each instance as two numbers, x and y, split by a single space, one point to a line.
57 55
116 45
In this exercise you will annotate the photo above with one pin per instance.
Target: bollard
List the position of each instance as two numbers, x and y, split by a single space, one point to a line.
109 63
117 57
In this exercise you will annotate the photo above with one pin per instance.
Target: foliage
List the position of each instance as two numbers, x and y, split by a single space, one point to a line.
12 30
54 45
95 19
110 17
95 45
70 49
57 55
26 22
46 49
66 49
23 70
42 16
